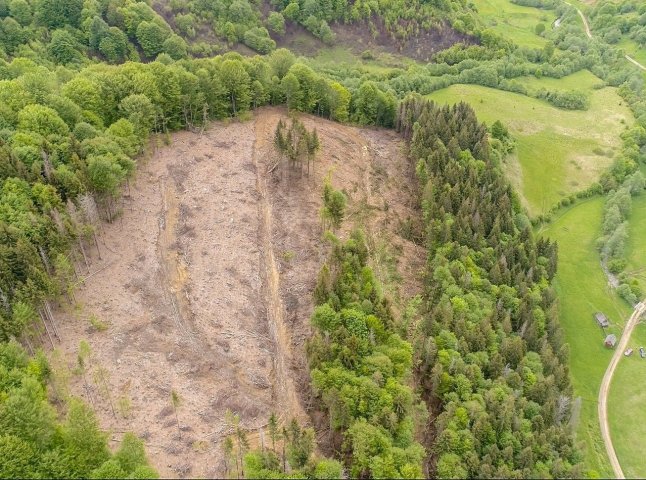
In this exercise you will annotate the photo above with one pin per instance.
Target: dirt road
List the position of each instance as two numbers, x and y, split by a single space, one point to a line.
588 32
640 309
282 379
635 62
585 23
585 20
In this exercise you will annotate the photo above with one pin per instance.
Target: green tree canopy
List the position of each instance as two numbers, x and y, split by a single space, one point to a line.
63 48
42 120
59 13
151 37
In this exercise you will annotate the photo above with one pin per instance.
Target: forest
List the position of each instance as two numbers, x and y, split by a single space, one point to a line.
493 367
479 386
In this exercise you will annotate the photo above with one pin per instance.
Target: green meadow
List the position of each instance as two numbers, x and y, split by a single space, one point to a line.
626 413
582 290
558 151
631 48
515 22
380 62
582 80
636 253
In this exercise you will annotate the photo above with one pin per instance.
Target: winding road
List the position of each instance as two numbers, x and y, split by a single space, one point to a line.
632 60
588 32
585 22
602 406
640 309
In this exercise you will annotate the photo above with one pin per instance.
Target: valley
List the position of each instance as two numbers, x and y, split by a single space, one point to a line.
299 239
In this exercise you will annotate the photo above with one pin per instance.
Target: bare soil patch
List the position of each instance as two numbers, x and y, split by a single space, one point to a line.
421 46
358 37
208 276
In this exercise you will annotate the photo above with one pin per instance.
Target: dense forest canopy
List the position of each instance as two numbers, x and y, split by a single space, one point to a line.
85 84
616 20
68 31
493 367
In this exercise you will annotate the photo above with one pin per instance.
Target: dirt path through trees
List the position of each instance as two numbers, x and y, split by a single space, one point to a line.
635 62
588 32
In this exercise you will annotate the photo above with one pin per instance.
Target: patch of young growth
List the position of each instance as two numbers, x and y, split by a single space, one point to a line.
501 141
290 454
35 443
333 210
361 369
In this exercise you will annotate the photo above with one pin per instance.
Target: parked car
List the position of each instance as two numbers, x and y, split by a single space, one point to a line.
642 353
628 352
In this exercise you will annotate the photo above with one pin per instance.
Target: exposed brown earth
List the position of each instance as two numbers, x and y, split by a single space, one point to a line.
206 282
421 46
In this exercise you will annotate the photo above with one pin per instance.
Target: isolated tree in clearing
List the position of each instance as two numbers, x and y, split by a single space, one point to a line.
297 144
334 202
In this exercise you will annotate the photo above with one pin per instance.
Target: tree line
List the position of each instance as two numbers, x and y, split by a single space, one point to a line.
492 365
69 142
69 31
69 138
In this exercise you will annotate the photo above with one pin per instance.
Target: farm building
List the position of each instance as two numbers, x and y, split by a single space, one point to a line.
601 319
610 341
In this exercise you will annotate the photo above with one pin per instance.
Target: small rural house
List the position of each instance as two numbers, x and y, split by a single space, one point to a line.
602 320
611 341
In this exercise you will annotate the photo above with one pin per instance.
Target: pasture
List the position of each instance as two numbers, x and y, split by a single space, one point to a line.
582 290
515 22
559 152
626 412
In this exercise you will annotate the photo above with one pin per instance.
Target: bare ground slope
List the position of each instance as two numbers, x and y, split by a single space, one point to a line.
206 282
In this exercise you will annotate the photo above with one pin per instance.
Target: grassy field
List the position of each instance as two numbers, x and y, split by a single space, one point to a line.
559 151
514 21
381 63
583 290
632 49
636 253
582 80
626 412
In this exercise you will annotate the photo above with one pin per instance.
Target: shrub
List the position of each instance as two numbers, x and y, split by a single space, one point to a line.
626 293
258 39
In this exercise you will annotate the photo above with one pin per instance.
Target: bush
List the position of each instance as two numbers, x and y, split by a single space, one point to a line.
570 100
626 293
367 55
175 46
617 265
258 39
276 23
151 37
